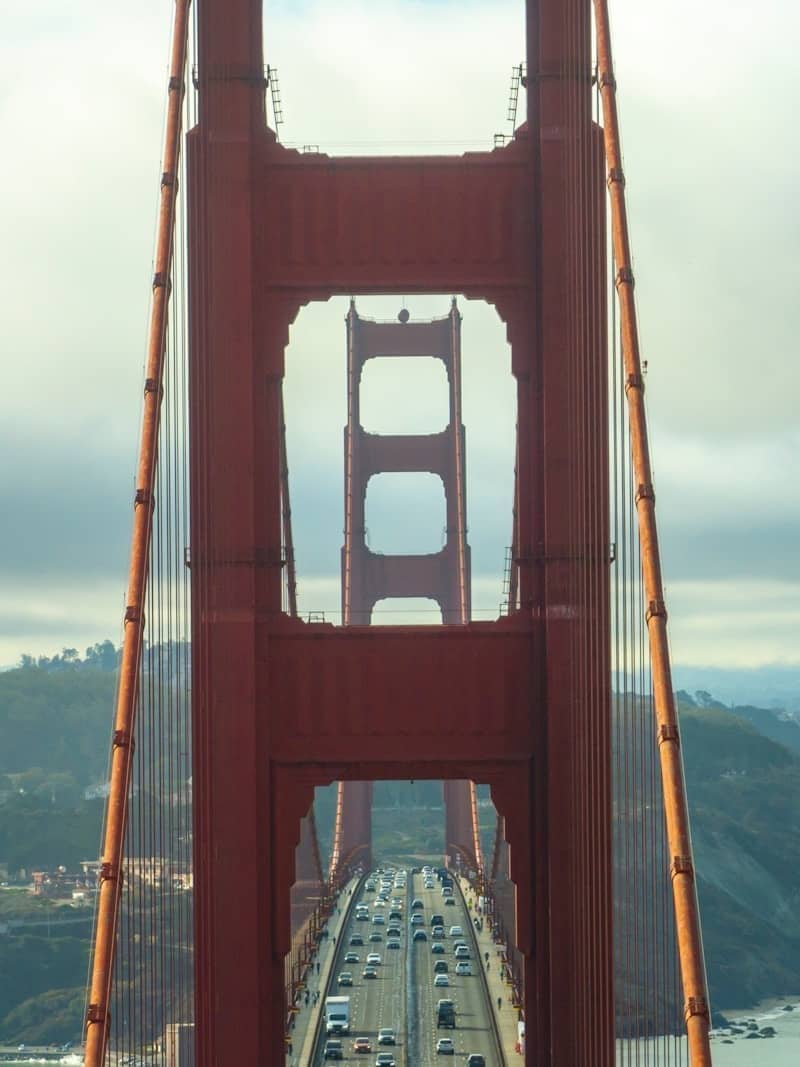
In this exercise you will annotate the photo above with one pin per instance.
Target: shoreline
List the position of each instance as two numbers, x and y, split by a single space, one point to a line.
767 1006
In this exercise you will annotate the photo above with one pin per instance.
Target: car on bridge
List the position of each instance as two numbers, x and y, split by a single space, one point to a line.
437 931
352 957
461 952
441 980
475 1059
437 948
449 900
445 1047
345 978
445 1014
374 959
334 1050
356 939
463 968
385 1059
387 1036
369 972
456 931
420 935
416 904
393 942
362 1044
418 920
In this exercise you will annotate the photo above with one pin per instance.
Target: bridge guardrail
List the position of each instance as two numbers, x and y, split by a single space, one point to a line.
498 1041
353 898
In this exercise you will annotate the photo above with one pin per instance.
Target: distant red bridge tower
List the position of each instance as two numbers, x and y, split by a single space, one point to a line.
279 705
368 577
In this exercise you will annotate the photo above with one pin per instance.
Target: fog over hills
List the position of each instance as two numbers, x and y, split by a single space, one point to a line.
771 686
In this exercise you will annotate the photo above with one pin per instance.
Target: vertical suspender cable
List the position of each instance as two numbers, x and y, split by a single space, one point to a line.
97 1016
687 918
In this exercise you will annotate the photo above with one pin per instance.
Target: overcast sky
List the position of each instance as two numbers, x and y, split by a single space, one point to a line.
707 97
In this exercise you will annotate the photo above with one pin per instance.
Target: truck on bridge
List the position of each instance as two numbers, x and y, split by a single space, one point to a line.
337 1015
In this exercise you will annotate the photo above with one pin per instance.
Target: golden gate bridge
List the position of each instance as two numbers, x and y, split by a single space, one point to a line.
232 708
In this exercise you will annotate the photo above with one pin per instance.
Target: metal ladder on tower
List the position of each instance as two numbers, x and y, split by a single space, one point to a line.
275 94
505 605
517 80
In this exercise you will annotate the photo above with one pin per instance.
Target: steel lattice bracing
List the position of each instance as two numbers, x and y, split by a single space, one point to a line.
368 577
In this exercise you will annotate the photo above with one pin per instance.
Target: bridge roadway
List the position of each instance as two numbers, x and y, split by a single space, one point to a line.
403 995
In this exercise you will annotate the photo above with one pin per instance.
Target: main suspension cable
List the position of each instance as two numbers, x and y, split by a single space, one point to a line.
110 887
690 951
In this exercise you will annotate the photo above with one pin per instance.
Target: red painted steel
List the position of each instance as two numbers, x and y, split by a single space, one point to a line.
281 706
368 577
676 808
121 762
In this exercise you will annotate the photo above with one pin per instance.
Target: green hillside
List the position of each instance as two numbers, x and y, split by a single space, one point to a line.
744 796
55 716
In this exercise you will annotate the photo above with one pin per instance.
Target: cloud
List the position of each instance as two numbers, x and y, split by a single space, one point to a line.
712 168
743 623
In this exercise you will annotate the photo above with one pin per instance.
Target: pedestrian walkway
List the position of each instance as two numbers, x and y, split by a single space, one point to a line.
500 991
310 1002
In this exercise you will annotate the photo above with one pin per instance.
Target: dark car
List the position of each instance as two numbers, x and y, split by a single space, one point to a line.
438 948
416 904
369 972
420 935
334 1050
475 1059
356 939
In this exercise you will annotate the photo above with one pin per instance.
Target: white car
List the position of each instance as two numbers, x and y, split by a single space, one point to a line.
387 1036
445 1047
373 959
456 931
441 979
463 968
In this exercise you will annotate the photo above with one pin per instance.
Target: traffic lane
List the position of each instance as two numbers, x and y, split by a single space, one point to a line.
377 1002
473 1031
385 1002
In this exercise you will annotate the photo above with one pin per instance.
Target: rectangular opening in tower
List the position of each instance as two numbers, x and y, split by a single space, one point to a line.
398 78
400 405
